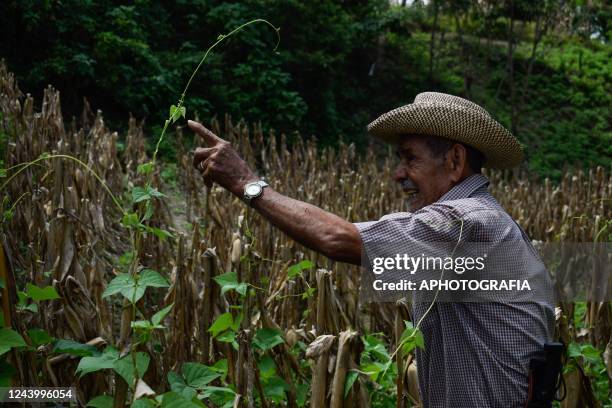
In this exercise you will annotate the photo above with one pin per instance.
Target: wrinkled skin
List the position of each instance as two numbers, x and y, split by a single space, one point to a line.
220 163
424 177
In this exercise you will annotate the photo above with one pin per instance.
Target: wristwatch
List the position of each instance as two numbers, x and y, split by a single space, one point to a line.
253 190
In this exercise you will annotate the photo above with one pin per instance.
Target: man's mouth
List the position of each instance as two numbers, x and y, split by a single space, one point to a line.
409 188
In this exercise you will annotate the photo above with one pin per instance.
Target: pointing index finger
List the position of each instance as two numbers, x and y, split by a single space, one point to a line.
209 137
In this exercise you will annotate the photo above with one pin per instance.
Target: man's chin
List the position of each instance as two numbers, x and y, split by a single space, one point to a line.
414 204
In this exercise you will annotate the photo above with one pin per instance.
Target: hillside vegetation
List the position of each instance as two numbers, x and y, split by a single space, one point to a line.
541 68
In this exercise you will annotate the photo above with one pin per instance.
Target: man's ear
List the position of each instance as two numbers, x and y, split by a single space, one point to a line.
456 161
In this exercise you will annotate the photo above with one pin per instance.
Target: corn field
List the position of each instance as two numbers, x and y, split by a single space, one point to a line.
246 317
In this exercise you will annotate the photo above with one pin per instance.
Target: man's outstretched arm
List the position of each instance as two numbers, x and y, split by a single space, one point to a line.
309 225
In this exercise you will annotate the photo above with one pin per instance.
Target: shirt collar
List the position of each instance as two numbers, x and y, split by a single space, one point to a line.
465 188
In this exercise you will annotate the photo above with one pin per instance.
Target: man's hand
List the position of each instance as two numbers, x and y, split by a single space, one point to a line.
219 162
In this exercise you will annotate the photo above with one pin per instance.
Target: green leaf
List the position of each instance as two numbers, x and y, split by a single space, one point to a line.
237 320
219 395
75 348
120 283
134 290
227 336
411 338
178 385
349 381
148 214
101 401
302 394
573 350
104 361
220 367
150 278
229 281
265 339
174 400
39 294
140 194
159 316
198 375
32 307
375 346
6 373
309 293
145 168
143 403
126 259
10 338
267 368
39 337
375 369
125 367
274 388
142 325
176 112
130 220
221 323
590 354
296 270
160 233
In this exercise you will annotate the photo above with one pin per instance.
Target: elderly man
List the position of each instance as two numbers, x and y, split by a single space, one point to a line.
475 354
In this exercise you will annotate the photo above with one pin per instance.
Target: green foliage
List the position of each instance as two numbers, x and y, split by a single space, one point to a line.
140 194
177 112
39 337
351 377
225 321
221 396
378 365
6 373
193 379
590 359
105 360
101 401
39 294
133 287
173 400
130 365
266 339
144 403
411 338
144 328
297 269
331 75
74 348
10 339
229 281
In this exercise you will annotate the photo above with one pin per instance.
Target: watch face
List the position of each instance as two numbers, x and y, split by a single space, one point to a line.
253 189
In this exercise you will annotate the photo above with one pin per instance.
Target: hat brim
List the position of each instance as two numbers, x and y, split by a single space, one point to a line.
500 148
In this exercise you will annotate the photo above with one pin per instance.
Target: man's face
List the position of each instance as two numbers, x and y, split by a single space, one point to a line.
422 176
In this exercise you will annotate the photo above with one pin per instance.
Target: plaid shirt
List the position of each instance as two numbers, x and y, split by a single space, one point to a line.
475 354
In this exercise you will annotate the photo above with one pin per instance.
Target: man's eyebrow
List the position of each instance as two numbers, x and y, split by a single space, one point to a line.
403 151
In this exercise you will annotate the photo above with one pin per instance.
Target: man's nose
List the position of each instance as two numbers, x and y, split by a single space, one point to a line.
399 174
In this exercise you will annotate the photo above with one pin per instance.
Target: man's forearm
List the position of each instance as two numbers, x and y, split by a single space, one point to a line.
311 226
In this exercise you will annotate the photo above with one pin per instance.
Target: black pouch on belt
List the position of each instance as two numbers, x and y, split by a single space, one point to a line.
544 372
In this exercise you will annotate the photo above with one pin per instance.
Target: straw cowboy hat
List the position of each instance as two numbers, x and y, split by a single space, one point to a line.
439 114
